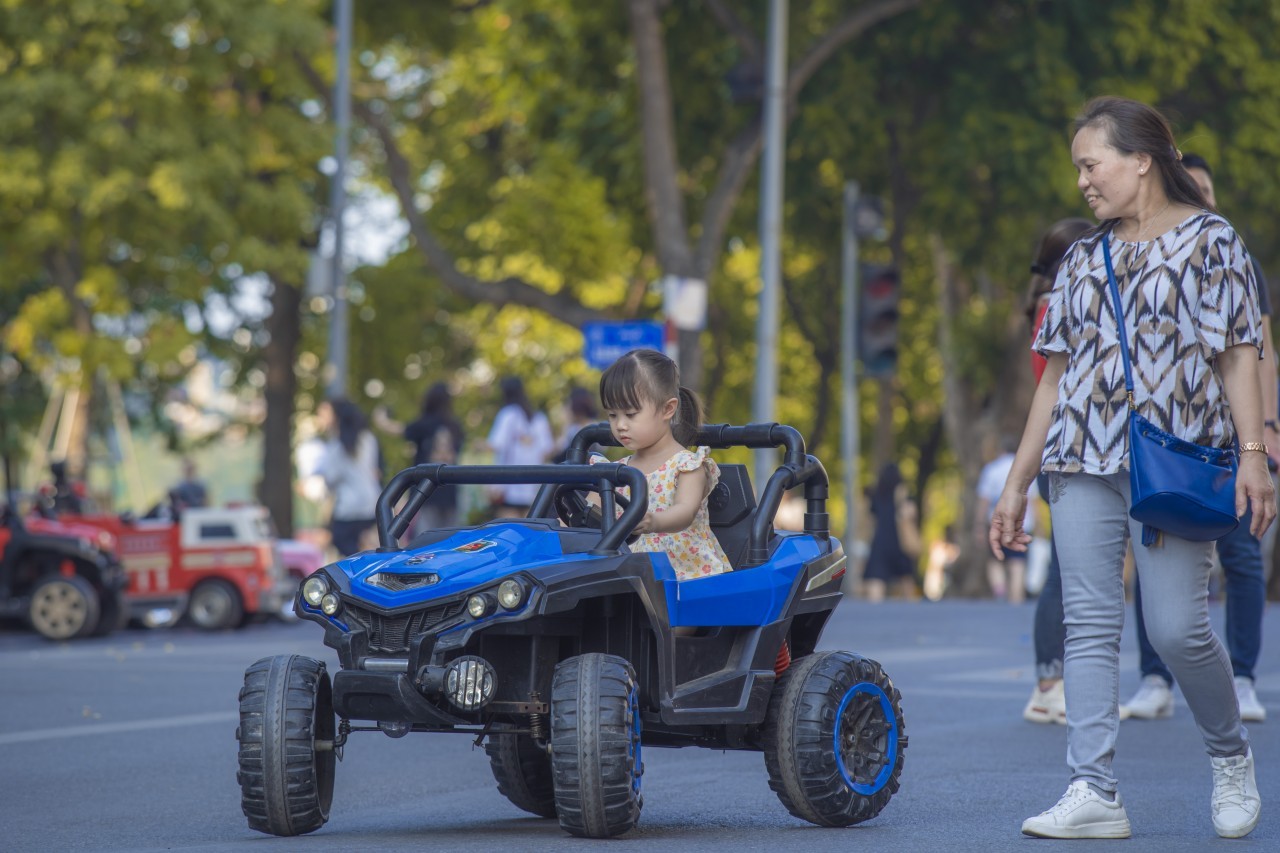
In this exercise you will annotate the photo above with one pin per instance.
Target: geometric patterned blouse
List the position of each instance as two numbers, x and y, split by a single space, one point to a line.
1188 295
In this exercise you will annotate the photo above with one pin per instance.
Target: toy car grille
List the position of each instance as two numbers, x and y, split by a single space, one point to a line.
399 582
391 634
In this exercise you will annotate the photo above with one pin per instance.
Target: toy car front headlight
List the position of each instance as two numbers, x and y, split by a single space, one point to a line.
510 593
480 604
330 604
314 589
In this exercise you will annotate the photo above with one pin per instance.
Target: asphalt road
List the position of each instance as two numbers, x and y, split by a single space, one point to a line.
127 743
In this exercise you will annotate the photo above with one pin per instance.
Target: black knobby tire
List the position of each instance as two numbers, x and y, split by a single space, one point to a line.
834 739
215 605
286 745
523 773
63 607
595 746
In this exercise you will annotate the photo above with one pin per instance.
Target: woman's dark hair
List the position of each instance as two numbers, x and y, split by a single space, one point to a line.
647 376
1132 127
513 395
438 402
582 405
351 422
1054 243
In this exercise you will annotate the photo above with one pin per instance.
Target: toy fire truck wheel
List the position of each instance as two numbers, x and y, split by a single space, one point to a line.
63 607
286 736
834 739
595 745
523 773
215 605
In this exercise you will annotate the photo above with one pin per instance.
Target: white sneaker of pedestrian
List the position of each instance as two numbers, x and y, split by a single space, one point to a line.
1153 701
1235 800
1047 706
1251 710
1081 813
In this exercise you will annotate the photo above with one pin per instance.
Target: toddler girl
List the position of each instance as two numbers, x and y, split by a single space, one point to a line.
656 418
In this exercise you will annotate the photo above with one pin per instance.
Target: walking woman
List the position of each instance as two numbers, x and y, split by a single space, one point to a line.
1190 308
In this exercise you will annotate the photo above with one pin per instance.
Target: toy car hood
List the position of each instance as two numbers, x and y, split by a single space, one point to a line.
459 562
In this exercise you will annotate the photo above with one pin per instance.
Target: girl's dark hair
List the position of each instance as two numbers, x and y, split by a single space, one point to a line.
582 405
1049 254
351 422
1132 127
438 402
513 395
647 376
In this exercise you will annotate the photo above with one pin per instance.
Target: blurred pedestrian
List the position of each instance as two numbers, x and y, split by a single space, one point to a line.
352 474
1048 701
521 435
580 411
1239 552
190 490
436 436
1007 575
895 540
1189 295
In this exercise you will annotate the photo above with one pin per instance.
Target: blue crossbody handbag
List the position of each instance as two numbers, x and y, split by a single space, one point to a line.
1177 487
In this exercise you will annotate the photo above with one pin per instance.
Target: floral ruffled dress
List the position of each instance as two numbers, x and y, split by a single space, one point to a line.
695 552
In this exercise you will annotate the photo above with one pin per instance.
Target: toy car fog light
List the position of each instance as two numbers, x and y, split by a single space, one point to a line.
480 604
330 604
469 682
314 589
510 594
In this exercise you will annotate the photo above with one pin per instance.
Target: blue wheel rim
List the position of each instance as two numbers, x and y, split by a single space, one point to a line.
868 700
633 742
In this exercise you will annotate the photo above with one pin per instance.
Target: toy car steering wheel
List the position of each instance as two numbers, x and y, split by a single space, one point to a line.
575 510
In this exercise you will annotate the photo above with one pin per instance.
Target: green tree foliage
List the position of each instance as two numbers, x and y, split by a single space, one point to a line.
517 134
153 154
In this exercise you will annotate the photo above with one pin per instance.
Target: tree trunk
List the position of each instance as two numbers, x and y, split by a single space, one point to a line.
884 439
967 425
285 329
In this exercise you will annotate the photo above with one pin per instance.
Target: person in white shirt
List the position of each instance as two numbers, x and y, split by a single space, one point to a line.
1008 577
521 435
352 472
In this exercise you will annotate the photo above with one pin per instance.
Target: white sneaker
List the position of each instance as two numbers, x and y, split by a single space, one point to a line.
1235 800
1251 710
1047 706
1153 701
1081 813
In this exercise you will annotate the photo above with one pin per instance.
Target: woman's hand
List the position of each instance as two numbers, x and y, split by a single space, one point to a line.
1006 524
1255 491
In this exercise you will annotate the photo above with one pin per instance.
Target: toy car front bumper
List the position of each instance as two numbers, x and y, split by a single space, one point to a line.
387 697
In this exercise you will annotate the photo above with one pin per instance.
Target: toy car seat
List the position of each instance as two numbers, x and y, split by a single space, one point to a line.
729 508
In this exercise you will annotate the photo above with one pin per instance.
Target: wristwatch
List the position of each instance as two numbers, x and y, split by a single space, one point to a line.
1253 445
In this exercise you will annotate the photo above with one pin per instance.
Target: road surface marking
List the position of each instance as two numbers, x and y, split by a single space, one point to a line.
118 728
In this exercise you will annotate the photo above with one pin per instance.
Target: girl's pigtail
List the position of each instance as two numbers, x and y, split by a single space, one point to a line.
688 419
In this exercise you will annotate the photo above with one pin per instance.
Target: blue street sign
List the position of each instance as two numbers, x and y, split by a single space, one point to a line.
605 343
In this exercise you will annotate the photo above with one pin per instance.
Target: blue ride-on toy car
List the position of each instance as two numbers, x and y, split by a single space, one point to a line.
567 652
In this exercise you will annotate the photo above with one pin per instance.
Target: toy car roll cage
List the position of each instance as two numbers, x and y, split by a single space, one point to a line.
797 468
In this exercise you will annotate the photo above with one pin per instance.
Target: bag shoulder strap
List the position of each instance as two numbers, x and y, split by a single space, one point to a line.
1124 338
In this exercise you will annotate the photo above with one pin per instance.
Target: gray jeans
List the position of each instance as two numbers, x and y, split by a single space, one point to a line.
1091 519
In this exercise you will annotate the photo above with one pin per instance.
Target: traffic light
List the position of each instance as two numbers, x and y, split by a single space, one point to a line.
878 335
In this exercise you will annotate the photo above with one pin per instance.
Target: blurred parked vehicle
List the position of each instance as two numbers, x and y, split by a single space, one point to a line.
218 567
61 578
